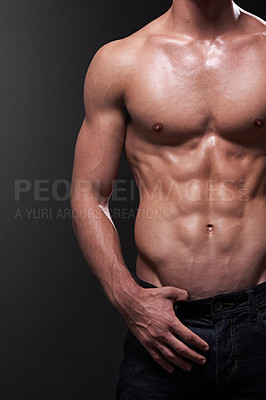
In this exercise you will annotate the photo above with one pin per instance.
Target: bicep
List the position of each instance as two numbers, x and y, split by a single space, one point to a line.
98 152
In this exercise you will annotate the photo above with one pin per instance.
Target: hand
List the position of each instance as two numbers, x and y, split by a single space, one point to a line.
151 318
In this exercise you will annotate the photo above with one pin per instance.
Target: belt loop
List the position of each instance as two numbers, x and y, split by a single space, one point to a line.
252 306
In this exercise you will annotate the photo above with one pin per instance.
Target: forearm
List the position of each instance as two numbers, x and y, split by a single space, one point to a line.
100 245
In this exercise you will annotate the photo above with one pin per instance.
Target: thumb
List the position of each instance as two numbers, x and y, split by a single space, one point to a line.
175 294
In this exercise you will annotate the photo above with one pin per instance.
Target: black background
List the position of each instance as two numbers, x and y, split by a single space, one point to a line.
60 338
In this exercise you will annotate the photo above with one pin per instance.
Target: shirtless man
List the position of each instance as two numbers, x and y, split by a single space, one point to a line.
185 97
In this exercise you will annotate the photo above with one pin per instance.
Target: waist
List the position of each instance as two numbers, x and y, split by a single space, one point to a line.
203 256
221 304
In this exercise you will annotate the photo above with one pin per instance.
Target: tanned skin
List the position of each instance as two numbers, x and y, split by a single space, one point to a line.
186 98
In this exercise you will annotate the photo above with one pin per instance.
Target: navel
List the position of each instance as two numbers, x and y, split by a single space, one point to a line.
209 228
157 127
259 123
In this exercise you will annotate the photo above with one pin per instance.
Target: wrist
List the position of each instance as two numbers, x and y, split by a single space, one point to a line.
125 295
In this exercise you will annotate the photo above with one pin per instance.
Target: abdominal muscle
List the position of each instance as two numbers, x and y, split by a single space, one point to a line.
204 243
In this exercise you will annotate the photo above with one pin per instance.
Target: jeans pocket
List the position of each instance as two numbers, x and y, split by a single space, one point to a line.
262 317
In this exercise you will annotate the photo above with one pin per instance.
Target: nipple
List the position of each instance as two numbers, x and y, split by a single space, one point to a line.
157 127
209 228
259 123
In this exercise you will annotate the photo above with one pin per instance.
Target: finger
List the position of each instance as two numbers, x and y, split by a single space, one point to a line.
160 359
176 359
189 336
185 351
175 294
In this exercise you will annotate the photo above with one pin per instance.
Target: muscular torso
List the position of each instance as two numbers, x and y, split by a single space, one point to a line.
196 143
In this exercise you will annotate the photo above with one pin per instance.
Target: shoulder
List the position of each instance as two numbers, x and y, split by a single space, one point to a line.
252 23
112 65
121 54
253 31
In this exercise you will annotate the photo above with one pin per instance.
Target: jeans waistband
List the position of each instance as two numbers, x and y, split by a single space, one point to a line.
248 298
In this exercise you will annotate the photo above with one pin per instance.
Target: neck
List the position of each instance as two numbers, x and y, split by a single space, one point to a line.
203 19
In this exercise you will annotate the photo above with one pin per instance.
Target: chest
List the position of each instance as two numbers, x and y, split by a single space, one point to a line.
178 92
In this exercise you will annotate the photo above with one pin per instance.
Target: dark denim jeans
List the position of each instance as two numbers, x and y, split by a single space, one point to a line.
234 326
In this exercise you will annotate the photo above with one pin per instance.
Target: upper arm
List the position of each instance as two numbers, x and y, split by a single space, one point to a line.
100 140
